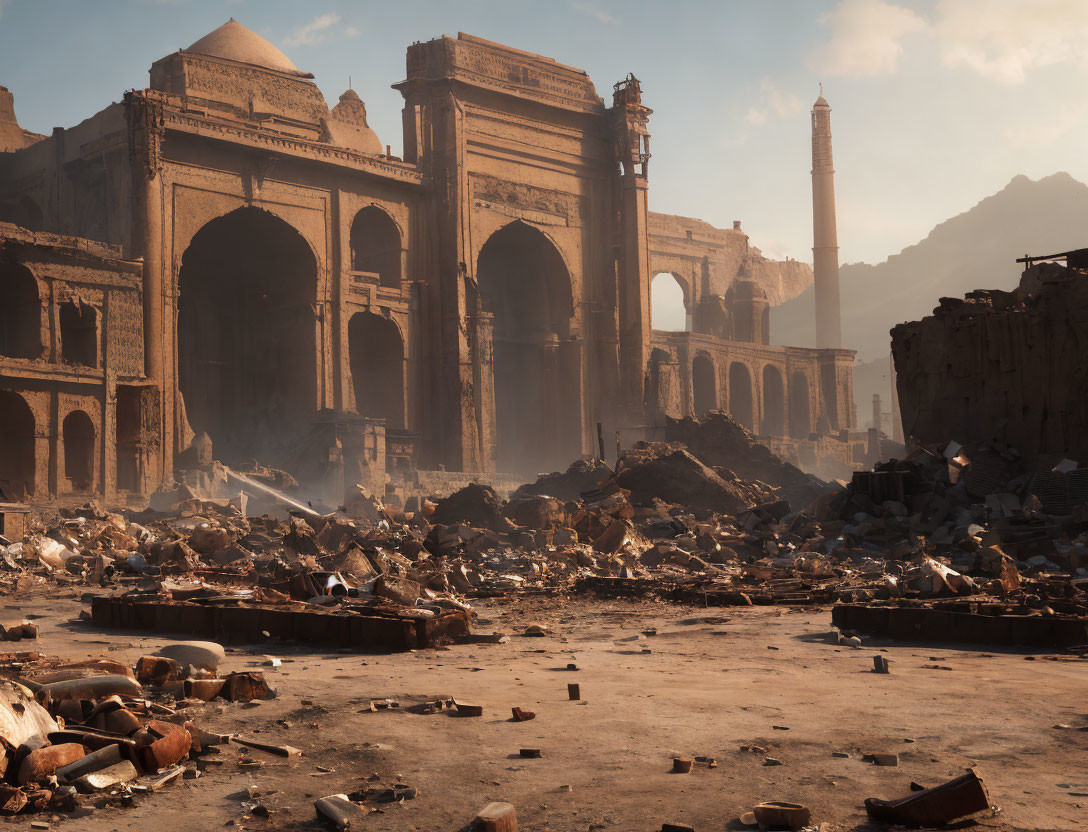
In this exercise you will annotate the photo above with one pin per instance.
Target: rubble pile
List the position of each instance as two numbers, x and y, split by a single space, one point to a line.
83 735
725 445
929 531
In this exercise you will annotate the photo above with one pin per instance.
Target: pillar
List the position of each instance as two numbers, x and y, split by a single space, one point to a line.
825 243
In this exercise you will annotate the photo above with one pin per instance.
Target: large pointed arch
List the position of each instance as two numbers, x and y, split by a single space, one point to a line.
525 285
247 360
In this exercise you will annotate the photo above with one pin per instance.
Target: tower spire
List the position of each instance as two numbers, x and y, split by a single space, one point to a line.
825 241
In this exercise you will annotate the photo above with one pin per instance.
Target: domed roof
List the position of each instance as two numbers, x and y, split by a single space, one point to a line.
821 102
235 42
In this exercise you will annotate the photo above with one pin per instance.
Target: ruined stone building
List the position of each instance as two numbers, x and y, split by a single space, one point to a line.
267 283
1003 367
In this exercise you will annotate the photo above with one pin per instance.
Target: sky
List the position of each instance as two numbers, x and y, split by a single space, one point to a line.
936 104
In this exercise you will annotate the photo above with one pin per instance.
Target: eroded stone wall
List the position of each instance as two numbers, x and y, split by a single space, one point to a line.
1004 366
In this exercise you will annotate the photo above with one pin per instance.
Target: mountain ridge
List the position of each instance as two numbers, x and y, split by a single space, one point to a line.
975 249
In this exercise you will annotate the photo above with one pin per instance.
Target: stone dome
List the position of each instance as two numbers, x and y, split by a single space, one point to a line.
235 42
348 128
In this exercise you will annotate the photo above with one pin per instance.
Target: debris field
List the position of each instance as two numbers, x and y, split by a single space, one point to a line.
662 628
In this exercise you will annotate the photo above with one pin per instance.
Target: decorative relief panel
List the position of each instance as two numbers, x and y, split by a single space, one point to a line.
125 339
528 201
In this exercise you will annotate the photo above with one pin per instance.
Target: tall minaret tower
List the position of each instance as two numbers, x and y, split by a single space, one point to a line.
825 238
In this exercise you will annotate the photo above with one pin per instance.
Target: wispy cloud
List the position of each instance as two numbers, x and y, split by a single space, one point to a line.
600 15
775 102
1004 39
313 33
1040 132
866 38
756 116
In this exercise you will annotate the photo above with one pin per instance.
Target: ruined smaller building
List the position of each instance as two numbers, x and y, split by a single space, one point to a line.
76 413
1002 366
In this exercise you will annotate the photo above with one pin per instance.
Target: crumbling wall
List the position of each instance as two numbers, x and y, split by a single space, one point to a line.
12 136
707 260
1005 366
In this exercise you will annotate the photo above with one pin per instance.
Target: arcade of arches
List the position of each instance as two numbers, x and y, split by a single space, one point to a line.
773 391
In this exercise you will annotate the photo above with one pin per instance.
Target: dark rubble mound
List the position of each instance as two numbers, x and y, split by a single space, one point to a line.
583 475
533 512
475 505
663 471
720 442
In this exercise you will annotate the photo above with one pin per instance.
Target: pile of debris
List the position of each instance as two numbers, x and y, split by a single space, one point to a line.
962 522
96 733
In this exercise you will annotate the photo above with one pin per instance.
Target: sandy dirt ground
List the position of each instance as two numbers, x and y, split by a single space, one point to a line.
714 680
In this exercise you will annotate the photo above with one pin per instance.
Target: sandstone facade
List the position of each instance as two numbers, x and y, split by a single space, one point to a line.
482 302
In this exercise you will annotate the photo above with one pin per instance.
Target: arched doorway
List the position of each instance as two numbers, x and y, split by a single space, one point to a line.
17 460
376 358
829 392
20 312
246 335
78 433
740 395
662 386
704 384
774 402
525 285
669 304
800 413
78 334
376 246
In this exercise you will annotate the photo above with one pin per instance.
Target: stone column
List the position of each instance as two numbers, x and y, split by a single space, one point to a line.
825 240
634 288
145 126
483 374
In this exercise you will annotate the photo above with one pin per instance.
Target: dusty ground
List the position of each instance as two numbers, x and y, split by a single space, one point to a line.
715 680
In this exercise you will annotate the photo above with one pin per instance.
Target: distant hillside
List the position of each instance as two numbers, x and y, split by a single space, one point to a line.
975 250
